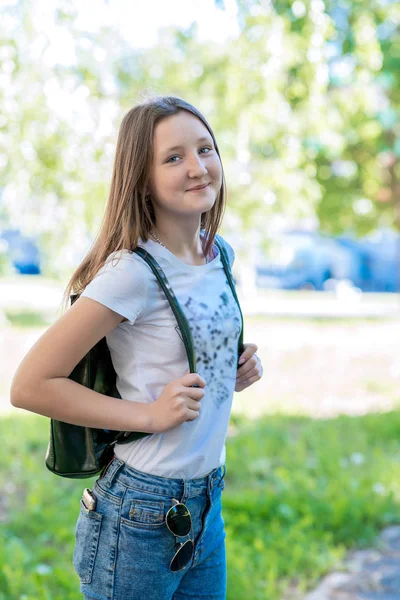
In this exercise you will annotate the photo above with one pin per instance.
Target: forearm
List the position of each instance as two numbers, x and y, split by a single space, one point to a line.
65 400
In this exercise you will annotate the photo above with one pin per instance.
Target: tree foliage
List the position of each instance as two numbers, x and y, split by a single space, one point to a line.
305 105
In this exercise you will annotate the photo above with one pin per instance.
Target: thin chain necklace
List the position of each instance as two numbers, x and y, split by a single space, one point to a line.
152 233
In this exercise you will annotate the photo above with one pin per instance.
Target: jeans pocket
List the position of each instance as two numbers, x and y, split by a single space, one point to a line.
145 514
87 535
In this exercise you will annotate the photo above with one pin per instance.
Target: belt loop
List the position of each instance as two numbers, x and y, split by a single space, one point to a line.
186 490
210 481
104 471
213 477
112 470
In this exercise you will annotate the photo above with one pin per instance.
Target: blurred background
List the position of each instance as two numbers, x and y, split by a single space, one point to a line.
304 100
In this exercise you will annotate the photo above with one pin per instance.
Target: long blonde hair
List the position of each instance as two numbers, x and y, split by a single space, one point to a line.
128 215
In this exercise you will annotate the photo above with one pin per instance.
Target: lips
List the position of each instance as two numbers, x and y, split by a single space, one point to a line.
199 187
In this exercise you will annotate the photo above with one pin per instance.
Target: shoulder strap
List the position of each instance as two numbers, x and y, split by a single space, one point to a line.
179 315
228 272
175 306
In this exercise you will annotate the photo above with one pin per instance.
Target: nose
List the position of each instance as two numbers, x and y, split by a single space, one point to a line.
196 166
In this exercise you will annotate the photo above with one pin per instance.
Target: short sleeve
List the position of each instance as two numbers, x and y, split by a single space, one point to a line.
121 284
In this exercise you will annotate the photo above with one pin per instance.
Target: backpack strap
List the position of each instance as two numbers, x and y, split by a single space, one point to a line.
228 272
175 306
179 315
126 437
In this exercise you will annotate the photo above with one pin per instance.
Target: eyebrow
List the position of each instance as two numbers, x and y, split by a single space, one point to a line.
174 148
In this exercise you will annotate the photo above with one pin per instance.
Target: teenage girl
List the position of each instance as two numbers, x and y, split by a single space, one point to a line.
152 528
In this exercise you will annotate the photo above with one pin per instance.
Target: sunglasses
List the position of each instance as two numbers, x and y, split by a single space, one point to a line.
179 522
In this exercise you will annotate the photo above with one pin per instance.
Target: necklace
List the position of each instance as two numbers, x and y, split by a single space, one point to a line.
152 233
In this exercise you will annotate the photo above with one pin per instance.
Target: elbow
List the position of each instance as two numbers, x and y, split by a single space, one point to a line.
18 397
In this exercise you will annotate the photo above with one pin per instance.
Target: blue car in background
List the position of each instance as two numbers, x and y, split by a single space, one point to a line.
22 251
301 259
305 260
379 255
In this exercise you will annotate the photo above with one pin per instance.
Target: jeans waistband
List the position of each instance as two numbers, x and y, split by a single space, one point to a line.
130 477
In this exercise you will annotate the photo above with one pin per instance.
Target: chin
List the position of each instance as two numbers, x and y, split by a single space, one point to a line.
207 206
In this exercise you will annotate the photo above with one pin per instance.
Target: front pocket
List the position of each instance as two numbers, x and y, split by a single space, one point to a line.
146 514
87 535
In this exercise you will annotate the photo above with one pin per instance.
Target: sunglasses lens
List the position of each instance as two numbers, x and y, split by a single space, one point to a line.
178 520
182 557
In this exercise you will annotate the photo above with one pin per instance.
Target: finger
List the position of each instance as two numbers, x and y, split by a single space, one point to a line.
249 350
249 364
247 368
250 373
256 370
245 384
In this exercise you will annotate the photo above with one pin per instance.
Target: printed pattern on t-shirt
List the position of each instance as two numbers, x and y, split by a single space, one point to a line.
212 336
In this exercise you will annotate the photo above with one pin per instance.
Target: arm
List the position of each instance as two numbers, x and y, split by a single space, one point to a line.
41 385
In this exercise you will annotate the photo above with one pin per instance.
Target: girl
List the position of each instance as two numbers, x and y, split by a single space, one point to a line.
152 528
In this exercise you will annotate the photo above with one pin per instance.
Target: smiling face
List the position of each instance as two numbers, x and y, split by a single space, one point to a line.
184 157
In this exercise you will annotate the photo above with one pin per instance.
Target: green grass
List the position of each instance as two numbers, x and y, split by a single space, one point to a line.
299 492
28 319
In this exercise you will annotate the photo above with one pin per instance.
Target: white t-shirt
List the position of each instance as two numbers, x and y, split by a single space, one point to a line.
147 352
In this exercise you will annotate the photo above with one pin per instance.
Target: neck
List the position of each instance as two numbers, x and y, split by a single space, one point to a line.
185 243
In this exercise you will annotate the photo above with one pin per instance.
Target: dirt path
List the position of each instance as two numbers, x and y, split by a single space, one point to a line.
313 368
372 574
324 369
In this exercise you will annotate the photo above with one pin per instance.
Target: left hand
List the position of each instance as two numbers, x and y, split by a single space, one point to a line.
251 370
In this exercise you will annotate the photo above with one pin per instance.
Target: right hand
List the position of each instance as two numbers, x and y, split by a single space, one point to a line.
178 402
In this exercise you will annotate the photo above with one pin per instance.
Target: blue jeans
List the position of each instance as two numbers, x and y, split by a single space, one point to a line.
124 548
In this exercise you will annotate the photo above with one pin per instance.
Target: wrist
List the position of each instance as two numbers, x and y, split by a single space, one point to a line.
137 417
147 418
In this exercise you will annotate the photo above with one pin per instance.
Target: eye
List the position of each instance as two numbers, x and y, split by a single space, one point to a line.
170 159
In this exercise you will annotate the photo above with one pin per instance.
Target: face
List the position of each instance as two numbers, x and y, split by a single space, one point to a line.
184 158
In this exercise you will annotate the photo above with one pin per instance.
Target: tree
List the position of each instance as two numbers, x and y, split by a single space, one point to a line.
352 126
304 104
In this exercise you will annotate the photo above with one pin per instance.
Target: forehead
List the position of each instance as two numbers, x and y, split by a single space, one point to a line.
180 129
